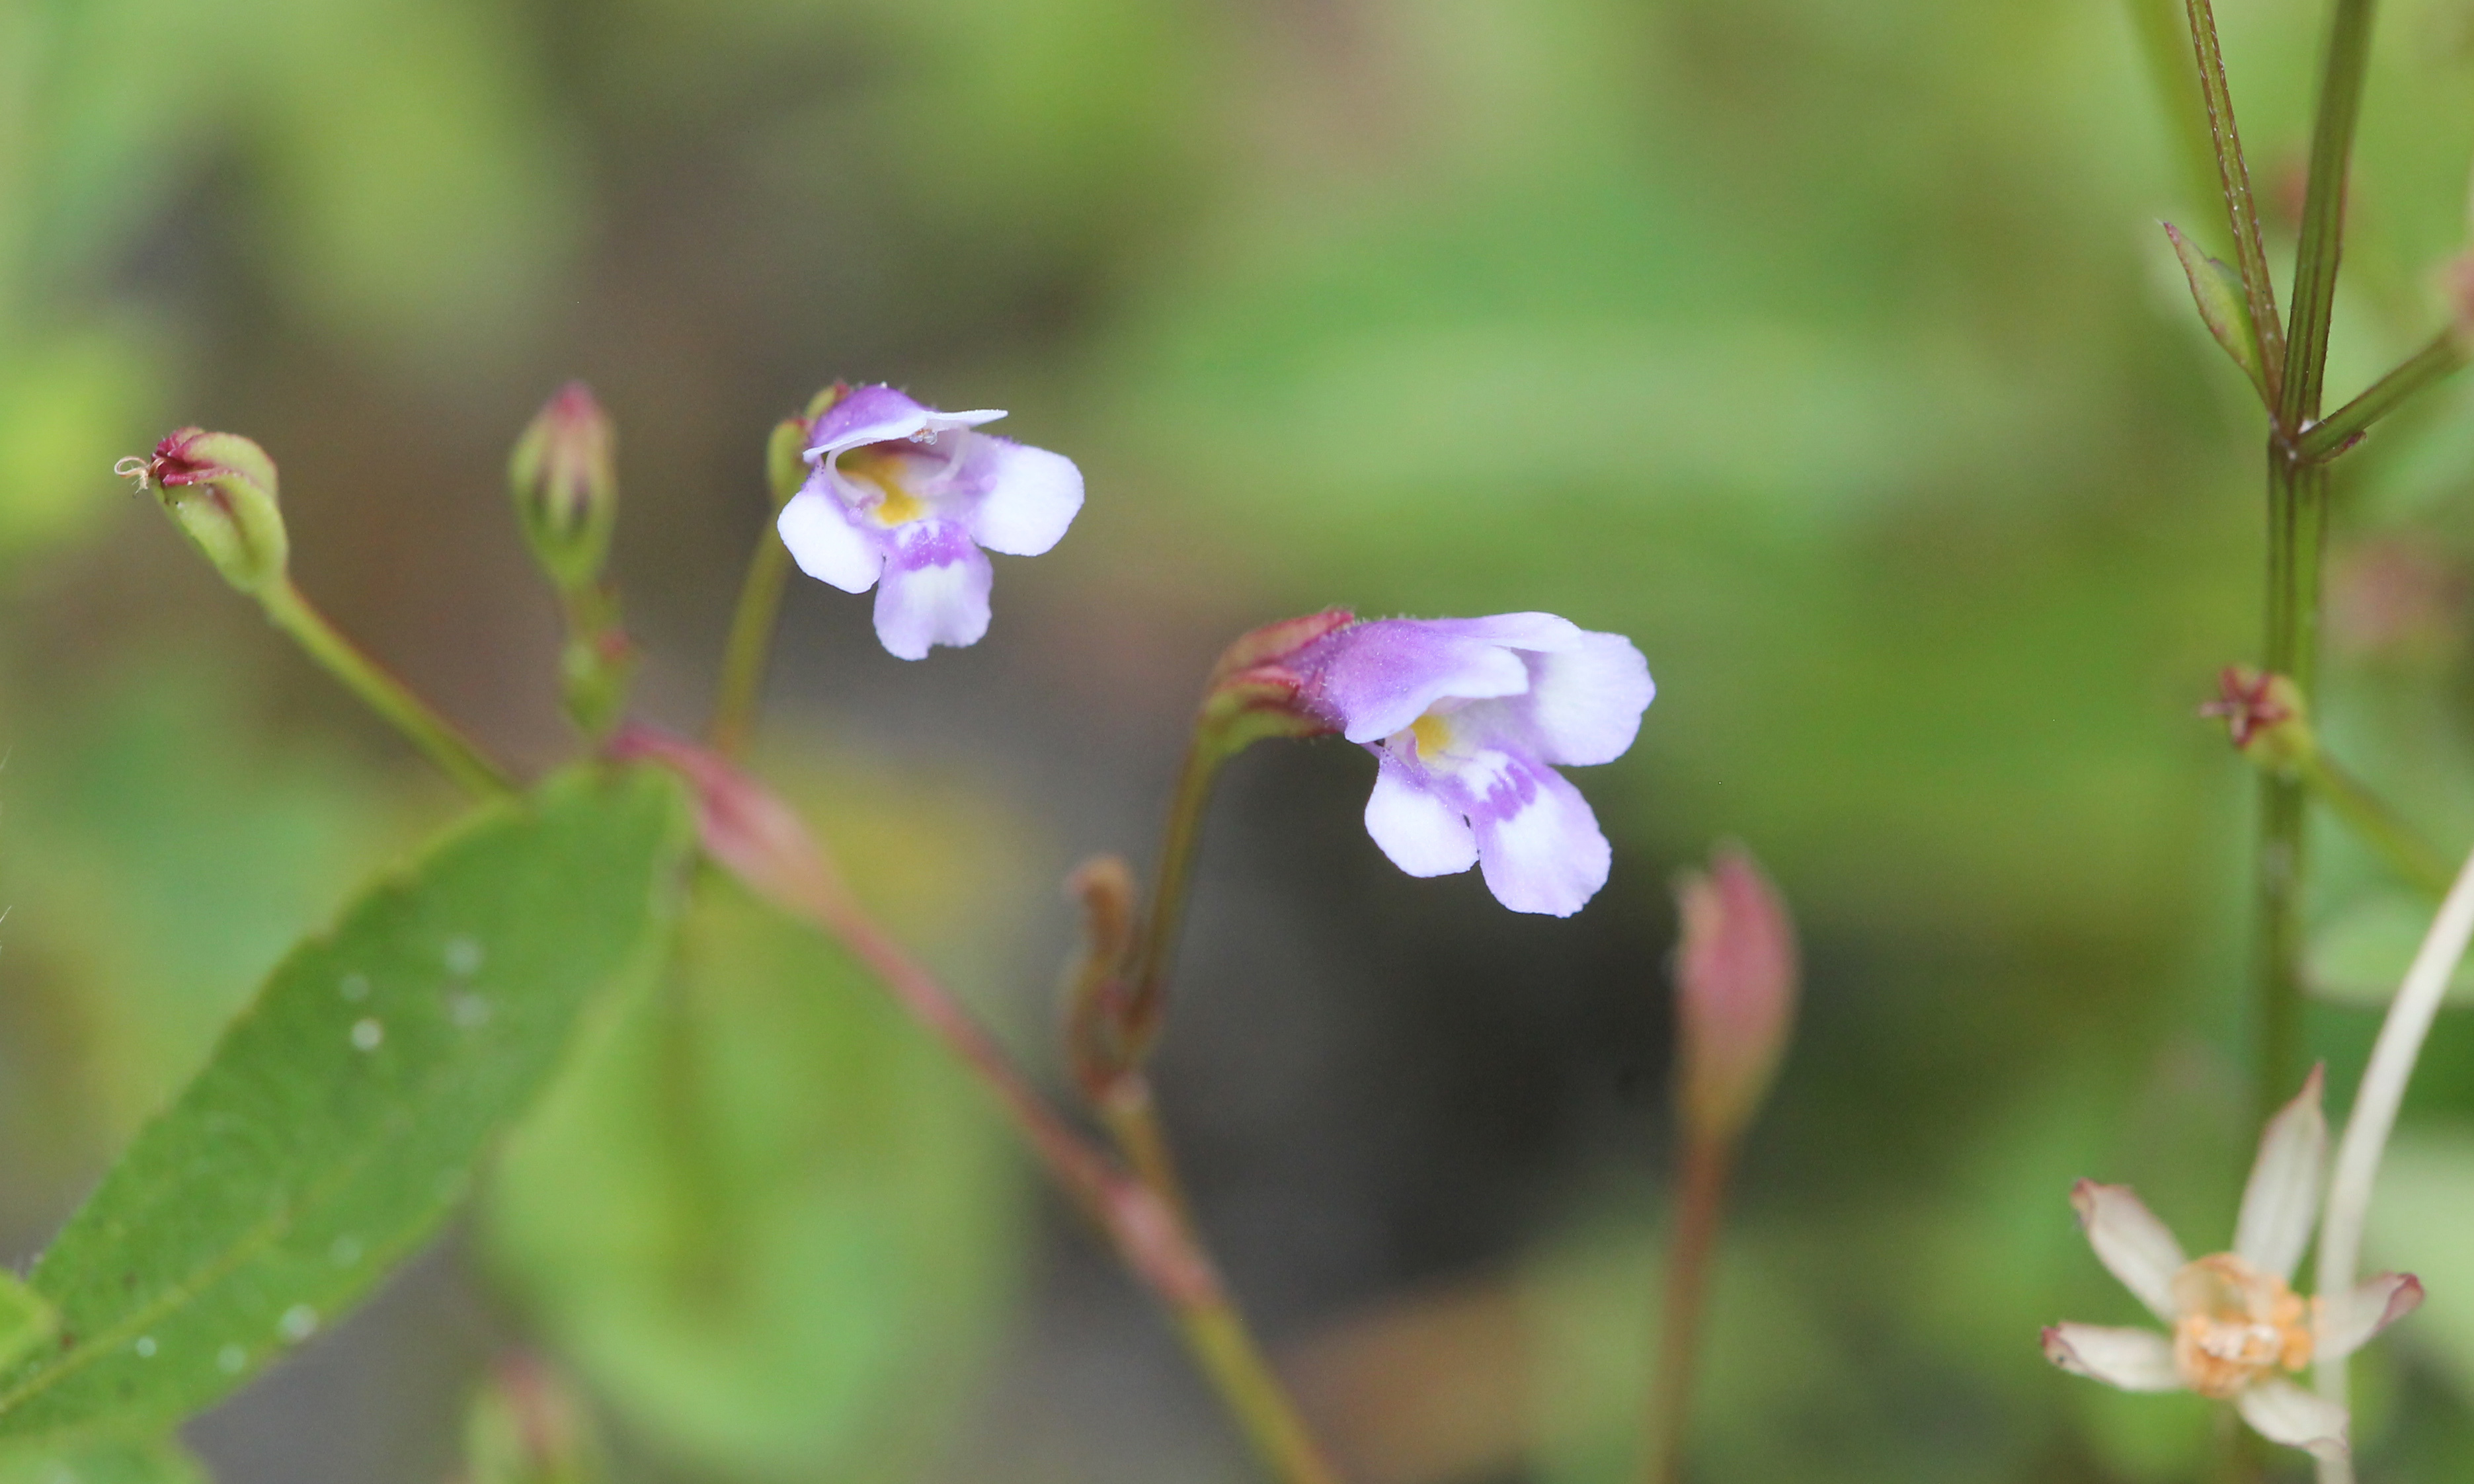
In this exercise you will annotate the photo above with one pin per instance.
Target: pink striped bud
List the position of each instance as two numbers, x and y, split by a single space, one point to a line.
1736 978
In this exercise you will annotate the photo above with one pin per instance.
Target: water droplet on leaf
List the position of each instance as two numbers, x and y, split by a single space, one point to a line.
367 1033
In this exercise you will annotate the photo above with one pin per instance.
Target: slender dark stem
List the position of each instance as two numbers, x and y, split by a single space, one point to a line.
2242 214
2402 846
2335 432
2344 65
1154 957
751 643
438 737
2296 532
1701 1198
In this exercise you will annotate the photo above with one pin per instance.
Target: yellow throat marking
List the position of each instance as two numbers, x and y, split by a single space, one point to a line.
1433 734
899 506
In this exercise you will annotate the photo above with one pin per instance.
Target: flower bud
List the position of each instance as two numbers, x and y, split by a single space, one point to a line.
527 1426
785 453
1735 981
566 486
1252 693
2266 717
1100 1041
219 489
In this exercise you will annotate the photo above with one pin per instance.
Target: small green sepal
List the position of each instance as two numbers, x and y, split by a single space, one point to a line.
2217 290
563 477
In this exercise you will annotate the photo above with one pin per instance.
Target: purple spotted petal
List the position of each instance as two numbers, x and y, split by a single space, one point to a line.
934 591
1538 844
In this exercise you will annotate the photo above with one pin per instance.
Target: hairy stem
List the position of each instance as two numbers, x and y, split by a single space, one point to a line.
2242 214
1164 918
437 737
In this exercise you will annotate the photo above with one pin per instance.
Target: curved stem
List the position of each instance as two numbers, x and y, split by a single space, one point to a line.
1165 917
2375 1109
750 645
438 737
2343 67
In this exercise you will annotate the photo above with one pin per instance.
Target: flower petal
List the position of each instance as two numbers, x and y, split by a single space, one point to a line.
2131 1242
2281 1204
1028 496
936 591
2283 1412
1585 702
1424 833
2348 1321
1372 679
1538 844
2132 1359
868 414
826 544
1539 631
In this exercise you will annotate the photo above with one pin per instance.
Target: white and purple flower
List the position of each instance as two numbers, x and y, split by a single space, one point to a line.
2234 1329
912 498
1467 719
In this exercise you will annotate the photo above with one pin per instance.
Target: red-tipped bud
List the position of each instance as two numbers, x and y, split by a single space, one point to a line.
527 1426
1254 692
1101 1043
564 476
1736 985
219 489
2267 717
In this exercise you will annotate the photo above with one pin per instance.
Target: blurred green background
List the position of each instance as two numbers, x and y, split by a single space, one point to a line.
1828 350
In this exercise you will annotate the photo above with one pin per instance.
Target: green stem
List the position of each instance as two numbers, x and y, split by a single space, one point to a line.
1701 1197
2344 66
751 643
2242 214
2298 498
2333 433
382 692
2381 827
1155 956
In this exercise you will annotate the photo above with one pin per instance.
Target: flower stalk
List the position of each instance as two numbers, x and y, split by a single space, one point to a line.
759 838
437 737
2374 1115
1735 991
749 648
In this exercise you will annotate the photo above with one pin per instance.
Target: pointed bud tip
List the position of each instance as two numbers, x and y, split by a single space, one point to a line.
219 490
1736 976
563 477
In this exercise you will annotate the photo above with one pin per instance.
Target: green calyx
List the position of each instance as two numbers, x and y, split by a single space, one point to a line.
219 489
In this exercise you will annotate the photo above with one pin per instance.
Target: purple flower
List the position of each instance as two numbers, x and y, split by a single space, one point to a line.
1467 718
911 498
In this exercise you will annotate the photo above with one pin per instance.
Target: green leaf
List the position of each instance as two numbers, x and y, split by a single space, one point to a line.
765 1217
341 1116
161 1461
2217 290
26 1318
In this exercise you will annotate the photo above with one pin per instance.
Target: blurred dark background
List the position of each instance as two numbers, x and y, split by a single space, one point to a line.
1829 351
